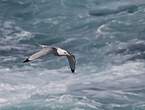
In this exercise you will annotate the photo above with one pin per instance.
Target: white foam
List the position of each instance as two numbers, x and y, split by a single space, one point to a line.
3 101
123 76
13 33
99 30
51 88
51 82
102 30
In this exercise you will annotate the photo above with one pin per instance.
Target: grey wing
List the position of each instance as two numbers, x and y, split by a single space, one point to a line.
40 53
72 62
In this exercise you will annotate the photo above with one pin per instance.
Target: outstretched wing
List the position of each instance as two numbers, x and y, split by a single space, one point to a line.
72 62
40 53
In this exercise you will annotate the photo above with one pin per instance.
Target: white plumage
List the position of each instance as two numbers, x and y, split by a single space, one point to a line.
57 52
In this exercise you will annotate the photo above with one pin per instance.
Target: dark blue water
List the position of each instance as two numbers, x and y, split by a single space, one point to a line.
107 38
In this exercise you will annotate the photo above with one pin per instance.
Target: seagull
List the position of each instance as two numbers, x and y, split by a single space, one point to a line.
55 51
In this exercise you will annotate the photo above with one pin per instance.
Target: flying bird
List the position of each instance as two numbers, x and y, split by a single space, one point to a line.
55 51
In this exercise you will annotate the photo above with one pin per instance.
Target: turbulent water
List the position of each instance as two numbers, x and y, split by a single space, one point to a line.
106 36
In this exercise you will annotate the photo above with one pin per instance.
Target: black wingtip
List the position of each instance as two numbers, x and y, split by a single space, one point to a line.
72 70
25 61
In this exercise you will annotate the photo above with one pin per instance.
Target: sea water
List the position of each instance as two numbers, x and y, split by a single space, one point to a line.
106 36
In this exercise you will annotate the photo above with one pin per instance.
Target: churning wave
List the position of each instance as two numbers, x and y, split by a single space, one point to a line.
107 38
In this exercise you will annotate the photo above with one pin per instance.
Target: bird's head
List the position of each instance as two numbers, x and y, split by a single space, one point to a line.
62 52
66 53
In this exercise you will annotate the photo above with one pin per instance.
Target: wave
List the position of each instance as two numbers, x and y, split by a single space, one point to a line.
11 33
107 40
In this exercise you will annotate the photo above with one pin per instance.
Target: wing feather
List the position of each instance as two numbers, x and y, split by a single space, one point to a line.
72 62
46 50
40 53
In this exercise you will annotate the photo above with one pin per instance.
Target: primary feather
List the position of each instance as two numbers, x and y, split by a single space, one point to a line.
56 51
41 53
